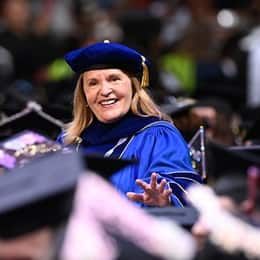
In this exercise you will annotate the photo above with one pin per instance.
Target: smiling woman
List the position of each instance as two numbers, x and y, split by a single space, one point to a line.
108 93
114 116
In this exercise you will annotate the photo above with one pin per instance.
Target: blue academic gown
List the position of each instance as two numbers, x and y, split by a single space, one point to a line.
158 147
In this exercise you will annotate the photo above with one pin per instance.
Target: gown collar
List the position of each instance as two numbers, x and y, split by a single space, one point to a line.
98 132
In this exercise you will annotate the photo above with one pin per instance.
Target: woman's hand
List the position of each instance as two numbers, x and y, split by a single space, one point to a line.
154 193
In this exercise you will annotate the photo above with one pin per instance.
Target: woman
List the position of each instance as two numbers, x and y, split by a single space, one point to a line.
115 117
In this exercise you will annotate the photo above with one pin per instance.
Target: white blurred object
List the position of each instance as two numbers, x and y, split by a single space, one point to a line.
170 82
105 27
225 230
175 25
62 22
227 18
251 44
98 207
253 90
251 41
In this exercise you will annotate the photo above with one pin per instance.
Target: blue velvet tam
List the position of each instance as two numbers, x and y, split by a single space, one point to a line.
109 55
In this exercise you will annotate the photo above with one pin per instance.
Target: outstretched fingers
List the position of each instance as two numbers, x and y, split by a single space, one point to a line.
153 181
135 196
145 186
162 185
155 194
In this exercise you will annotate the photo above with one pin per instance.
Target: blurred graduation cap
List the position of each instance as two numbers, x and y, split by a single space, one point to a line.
31 117
177 106
41 192
105 166
185 217
225 160
21 148
180 110
236 174
24 146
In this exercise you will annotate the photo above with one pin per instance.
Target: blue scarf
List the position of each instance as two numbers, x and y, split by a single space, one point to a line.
98 138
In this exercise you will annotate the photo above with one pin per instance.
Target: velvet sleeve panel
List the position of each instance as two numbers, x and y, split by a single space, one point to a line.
160 148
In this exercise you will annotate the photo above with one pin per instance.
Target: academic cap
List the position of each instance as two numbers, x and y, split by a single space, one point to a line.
41 193
219 104
177 106
223 160
105 166
20 148
26 145
32 121
109 55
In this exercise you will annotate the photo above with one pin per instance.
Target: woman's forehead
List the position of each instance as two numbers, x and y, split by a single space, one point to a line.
102 72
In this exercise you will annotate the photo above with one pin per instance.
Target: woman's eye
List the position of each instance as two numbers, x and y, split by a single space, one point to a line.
114 78
92 83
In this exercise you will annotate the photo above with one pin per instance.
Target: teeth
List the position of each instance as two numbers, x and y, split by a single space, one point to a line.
108 102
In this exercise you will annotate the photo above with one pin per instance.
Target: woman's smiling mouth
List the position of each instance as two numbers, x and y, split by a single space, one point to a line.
108 102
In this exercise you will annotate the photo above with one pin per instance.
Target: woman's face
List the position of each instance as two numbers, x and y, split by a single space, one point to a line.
108 93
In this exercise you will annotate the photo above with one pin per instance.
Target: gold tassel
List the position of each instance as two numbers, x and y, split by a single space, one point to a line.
145 76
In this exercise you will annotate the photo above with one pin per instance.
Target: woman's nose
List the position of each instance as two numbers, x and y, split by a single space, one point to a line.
105 89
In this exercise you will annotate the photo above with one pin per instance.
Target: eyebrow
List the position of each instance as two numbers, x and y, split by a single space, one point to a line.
112 74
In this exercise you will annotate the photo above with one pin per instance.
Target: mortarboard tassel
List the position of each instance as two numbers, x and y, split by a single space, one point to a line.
145 77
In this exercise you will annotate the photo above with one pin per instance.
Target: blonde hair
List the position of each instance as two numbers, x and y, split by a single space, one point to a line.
142 105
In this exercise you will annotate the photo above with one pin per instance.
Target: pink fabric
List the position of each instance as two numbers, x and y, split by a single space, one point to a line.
99 205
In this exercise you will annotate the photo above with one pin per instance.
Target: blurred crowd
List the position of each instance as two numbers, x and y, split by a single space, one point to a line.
205 56
200 49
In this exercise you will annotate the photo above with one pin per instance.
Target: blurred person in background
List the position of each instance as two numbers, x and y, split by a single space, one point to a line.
220 121
26 35
180 110
24 38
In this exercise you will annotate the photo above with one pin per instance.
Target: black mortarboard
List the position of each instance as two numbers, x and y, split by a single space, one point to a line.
234 173
220 105
105 166
109 55
39 194
180 110
185 217
177 106
31 117
223 160
19 149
